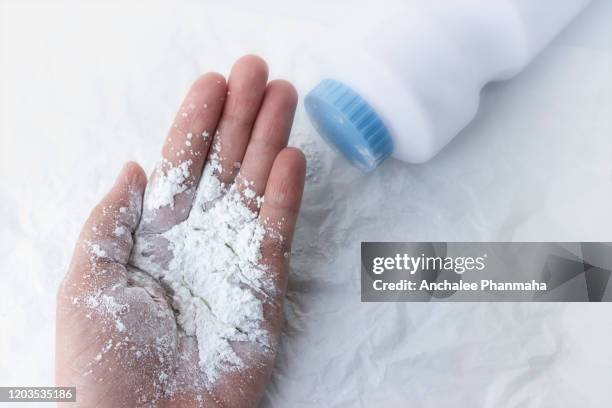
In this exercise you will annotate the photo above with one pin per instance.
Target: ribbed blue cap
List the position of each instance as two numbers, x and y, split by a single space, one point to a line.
349 124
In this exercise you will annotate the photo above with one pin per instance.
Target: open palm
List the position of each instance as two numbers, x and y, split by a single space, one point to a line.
118 339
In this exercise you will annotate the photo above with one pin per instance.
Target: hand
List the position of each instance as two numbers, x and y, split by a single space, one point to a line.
118 340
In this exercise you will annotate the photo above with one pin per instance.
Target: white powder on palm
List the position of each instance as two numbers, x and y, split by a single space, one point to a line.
214 272
168 185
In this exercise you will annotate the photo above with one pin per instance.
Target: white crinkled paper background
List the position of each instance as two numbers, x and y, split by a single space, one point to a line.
85 86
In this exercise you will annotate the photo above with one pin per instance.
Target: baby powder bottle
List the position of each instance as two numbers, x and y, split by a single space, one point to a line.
403 84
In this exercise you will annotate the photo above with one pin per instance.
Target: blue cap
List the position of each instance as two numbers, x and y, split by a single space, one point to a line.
349 124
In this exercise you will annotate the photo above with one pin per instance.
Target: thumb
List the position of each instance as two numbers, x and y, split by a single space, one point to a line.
105 242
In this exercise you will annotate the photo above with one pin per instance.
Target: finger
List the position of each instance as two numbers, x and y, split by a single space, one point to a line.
282 198
105 242
173 183
246 86
270 135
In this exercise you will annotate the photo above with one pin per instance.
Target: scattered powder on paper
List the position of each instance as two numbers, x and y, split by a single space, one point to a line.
313 161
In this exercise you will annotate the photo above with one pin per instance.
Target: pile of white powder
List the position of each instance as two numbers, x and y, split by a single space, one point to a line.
214 272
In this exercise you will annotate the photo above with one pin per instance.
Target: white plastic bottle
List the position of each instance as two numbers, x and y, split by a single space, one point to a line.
406 84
